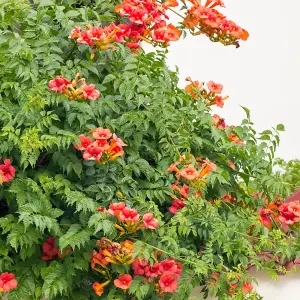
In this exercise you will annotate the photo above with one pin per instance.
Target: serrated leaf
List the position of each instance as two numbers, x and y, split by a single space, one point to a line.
75 237
100 222
81 201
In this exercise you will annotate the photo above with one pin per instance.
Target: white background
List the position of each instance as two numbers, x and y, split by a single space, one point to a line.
263 74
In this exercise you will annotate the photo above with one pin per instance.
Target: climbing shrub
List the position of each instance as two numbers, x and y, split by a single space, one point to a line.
115 182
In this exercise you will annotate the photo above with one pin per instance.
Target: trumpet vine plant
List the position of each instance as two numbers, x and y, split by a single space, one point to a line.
115 183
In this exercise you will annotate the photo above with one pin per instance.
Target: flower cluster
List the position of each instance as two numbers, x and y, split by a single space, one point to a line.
215 279
218 121
50 251
164 275
285 213
7 282
220 124
178 203
235 139
76 89
205 19
105 146
110 252
185 170
7 171
114 253
210 93
97 37
229 198
148 18
129 220
247 287
148 24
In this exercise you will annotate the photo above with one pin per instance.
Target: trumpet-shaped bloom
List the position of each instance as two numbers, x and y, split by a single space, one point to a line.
215 87
101 133
123 282
168 283
8 281
129 214
287 216
89 92
176 205
168 267
93 152
152 271
149 221
85 141
7 171
189 173
116 208
139 266
49 249
59 84
247 288
265 217
294 207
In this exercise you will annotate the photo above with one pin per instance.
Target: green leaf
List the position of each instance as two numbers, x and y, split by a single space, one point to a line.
101 222
72 13
108 78
265 138
89 65
247 111
56 280
81 201
130 67
267 132
280 127
46 3
75 237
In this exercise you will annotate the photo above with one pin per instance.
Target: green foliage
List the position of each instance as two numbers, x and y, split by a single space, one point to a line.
56 193
289 173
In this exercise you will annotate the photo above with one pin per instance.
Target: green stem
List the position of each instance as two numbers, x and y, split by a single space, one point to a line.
275 223
176 13
170 254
